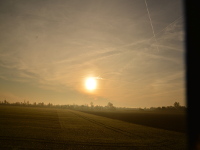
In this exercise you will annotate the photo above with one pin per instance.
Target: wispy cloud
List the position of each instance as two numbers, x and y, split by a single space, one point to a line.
54 48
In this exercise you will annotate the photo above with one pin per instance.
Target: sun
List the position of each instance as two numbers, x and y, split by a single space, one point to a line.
90 83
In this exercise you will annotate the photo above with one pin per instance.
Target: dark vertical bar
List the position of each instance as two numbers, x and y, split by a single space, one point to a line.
192 28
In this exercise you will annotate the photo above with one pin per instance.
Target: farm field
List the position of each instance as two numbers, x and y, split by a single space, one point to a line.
51 128
168 120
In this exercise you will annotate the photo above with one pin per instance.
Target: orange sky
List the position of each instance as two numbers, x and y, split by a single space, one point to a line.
49 48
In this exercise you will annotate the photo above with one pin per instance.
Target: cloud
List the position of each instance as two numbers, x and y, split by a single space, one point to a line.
98 78
55 48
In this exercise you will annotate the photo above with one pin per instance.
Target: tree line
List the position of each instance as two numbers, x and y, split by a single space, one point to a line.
91 106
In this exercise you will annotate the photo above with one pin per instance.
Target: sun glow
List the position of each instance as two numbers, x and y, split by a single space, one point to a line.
90 83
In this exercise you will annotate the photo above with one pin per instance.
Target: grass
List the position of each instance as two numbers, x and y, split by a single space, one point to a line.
50 128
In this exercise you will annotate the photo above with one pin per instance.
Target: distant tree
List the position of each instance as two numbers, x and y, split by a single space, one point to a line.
97 107
41 104
49 104
176 105
152 108
5 102
110 106
92 105
17 103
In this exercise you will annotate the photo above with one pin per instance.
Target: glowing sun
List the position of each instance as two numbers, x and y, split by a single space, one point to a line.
90 83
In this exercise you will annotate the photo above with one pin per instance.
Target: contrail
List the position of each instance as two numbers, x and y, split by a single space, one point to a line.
170 24
151 25
99 78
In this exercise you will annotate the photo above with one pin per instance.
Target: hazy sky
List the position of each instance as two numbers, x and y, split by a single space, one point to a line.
49 47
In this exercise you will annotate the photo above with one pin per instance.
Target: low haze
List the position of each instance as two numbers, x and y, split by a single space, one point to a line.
133 49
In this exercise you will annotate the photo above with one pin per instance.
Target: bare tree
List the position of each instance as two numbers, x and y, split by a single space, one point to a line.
176 105
110 106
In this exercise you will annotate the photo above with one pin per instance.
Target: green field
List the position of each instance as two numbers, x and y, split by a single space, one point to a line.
51 128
